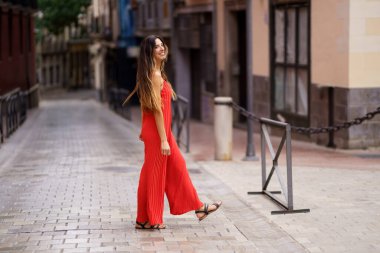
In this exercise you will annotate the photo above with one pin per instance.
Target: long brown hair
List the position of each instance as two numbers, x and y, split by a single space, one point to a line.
145 64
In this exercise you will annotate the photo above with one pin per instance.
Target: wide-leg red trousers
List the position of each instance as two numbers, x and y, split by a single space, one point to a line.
162 174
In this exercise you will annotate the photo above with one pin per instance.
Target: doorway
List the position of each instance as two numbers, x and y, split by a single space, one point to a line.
195 66
237 59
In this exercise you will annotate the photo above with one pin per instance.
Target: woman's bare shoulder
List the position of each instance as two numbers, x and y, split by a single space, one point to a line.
157 80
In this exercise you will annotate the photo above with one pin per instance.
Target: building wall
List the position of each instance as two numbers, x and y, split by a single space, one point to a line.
364 48
115 20
260 35
345 55
261 62
330 43
52 61
195 59
260 51
17 49
31 49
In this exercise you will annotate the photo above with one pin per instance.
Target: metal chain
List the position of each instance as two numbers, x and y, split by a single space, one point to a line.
244 112
345 125
313 130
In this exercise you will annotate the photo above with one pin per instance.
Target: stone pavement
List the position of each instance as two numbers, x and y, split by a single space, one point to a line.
341 187
68 181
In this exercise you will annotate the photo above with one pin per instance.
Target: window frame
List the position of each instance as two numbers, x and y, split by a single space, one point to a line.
290 117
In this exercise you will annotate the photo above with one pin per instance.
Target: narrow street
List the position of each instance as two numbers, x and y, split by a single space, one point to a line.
68 179
70 153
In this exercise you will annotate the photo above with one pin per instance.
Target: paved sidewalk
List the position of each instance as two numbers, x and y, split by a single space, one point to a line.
341 187
68 179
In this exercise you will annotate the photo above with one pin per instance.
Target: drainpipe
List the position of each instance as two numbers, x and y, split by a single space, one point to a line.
250 154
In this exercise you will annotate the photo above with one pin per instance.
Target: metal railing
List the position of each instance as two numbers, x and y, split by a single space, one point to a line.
181 122
1 121
335 128
13 112
286 138
115 101
180 115
287 187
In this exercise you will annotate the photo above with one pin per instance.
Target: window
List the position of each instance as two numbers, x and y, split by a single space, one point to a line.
290 64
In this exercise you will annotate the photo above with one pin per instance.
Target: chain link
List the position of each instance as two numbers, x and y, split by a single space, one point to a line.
244 112
313 130
345 125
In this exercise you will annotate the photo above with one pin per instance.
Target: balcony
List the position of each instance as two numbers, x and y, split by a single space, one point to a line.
153 17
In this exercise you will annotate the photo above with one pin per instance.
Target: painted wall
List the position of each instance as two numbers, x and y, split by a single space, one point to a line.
330 42
260 37
364 48
345 41
17 69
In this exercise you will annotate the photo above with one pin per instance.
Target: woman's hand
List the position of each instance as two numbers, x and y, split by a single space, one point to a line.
165 148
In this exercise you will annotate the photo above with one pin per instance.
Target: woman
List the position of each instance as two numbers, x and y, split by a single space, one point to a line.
164 169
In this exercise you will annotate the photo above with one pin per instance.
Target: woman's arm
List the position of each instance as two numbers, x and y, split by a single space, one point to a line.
159 116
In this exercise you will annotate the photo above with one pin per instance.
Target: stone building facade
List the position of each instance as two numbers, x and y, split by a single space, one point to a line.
155 17
63 60
195 56
113 46
314 63
99 52
17 48
187 27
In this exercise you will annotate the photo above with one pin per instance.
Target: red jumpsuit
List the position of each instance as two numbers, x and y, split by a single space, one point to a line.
163 174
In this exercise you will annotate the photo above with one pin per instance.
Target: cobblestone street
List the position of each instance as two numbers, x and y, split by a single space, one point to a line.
68 181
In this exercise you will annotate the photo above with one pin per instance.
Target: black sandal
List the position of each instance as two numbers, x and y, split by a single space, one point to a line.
157 226
206 211
142 225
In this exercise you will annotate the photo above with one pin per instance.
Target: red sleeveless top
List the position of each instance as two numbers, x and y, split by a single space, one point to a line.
149 130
